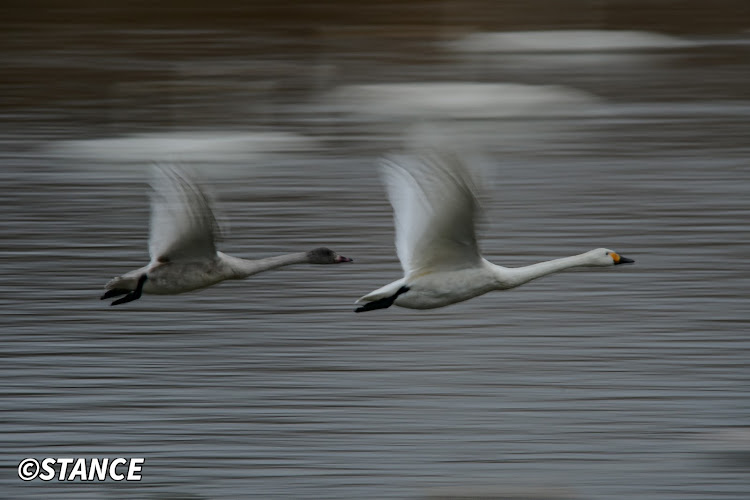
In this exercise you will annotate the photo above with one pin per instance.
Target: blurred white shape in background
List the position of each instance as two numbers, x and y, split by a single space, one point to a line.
568 41
190 146
462 100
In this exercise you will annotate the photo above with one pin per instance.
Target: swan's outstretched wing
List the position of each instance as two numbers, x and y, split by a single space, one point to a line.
435 204
183 227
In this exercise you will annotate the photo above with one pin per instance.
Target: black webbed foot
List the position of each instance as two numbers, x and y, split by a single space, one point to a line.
134 295
383 303
115 292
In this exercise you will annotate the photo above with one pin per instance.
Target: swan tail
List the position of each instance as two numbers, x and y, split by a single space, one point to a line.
130 287
126 283
382 292
383 297
121 285
382 303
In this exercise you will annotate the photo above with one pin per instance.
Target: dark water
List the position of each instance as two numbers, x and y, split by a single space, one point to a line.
598 384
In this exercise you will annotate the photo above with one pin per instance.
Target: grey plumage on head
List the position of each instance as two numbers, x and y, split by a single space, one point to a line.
323 255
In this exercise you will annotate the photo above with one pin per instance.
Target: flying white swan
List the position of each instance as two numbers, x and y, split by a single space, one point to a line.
183 249
434 198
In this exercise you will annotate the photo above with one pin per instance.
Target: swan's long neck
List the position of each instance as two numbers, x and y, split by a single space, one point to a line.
513 277
242 268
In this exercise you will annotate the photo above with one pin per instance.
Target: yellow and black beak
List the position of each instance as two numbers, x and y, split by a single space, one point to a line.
619 259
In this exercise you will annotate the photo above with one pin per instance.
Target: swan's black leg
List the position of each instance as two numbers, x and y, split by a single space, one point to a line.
115 292
383 303
135 294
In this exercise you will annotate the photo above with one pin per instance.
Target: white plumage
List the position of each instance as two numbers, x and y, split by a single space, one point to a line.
182 245
435 204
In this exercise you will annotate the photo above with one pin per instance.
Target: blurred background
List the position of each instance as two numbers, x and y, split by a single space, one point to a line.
610 123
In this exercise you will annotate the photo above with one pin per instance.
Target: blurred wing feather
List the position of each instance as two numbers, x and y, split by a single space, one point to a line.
183 226
435 206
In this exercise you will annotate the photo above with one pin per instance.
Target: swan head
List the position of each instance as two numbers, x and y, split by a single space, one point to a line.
325 255
606 257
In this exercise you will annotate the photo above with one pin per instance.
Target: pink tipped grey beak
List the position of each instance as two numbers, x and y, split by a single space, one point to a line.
341 258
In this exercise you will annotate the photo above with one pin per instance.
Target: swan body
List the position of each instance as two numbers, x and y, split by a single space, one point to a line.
434 198
183 249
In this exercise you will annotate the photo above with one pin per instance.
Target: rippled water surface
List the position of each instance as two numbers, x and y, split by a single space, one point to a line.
595 384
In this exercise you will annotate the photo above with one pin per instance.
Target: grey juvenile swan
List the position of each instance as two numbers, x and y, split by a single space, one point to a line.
434 199
182 244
